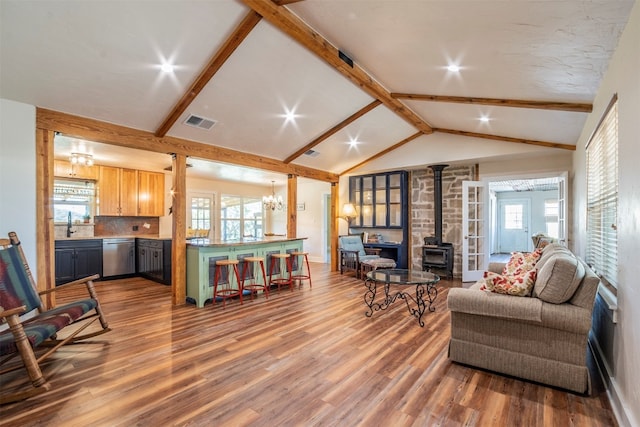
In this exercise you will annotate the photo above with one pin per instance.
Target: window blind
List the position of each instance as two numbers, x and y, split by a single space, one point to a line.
602 196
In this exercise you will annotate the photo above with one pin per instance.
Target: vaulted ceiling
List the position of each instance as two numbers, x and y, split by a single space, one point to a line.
361 83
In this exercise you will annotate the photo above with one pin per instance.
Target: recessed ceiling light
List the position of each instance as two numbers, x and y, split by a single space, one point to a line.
353 142
290 116
166 67
453 68
484 119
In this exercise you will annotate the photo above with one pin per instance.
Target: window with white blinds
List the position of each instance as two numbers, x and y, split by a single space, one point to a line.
602 196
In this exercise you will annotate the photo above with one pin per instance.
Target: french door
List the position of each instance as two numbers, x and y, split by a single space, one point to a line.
475 250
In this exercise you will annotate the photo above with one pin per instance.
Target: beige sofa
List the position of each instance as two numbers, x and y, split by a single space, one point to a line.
541 338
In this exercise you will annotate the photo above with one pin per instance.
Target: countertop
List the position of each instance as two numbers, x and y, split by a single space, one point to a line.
151 237
244 241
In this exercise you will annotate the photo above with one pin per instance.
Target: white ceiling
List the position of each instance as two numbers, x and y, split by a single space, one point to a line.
101 59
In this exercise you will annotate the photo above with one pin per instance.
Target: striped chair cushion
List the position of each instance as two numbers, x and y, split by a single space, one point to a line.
47 324
14 280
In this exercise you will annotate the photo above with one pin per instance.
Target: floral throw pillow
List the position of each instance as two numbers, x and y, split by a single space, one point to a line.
519 285
521 262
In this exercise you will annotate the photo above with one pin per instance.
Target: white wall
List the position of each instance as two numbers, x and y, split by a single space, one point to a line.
622 78
311 221
18 174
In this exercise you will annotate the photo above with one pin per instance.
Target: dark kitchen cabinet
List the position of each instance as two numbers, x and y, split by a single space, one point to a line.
75 259
154 259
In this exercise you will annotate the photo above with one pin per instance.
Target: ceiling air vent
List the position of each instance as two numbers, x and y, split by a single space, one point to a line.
311 153
200 122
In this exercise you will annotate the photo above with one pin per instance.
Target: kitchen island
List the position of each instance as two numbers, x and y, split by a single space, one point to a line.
202 255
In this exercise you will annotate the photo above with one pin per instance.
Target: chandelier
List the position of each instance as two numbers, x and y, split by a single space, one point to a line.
272 202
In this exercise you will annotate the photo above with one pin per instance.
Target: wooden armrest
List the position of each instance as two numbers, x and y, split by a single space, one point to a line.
11 312
82 281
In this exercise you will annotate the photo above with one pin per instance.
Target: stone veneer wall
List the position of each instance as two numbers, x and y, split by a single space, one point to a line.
422 211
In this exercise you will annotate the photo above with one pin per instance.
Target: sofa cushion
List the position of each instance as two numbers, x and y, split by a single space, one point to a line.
521 262
519 285
558 278
549 251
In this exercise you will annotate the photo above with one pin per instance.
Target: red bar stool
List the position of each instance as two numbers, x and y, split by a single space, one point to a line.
285 270
300 277
254 287
226 290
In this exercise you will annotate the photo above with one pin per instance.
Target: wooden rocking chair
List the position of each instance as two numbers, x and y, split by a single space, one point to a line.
25 335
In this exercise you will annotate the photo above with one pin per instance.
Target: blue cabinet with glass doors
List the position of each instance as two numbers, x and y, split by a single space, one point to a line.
382 208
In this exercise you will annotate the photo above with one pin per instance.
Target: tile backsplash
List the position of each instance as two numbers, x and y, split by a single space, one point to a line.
79 230
126 226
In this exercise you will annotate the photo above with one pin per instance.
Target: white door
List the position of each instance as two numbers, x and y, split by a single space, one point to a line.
475 251
513 225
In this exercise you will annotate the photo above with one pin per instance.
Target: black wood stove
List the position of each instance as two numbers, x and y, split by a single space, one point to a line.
436 254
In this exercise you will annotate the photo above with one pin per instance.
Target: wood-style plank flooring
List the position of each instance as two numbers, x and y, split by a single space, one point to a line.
305 358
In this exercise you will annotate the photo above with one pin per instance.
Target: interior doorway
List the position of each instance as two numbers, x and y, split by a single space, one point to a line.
523 206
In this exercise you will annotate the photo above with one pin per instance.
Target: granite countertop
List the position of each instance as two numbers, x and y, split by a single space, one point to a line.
240 242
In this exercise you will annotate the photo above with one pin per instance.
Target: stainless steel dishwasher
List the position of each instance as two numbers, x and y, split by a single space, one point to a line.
118 256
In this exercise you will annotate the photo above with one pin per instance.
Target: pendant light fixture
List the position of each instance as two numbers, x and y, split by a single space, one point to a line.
272 202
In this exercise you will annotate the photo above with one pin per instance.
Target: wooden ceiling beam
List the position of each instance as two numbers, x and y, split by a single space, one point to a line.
383 152
108 133
215 63
507 139
333 130
516 103
293 26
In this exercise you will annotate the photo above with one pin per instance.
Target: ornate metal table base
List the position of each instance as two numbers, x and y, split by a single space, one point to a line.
425 291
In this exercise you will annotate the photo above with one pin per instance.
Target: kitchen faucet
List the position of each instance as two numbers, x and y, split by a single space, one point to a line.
69 232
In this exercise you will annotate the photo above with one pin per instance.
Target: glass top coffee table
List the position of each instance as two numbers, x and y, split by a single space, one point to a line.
398 283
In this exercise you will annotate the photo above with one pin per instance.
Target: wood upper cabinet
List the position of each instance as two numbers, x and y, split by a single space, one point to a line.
64 169
150 193
118 191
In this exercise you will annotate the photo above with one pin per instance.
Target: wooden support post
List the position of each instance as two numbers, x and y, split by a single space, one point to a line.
334 226
178 243
292 206
45 241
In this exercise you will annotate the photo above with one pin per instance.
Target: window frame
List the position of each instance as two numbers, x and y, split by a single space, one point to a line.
241 220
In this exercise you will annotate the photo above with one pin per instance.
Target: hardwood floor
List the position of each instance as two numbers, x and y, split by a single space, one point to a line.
308 357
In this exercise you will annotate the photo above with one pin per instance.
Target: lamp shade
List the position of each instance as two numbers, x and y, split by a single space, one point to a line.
348 211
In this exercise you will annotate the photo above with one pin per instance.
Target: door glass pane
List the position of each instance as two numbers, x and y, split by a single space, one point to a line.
367 201
394 180
394 195
381 215
367 215
513 217
395 215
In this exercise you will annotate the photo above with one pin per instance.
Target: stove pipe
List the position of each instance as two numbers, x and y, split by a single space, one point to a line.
437 200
